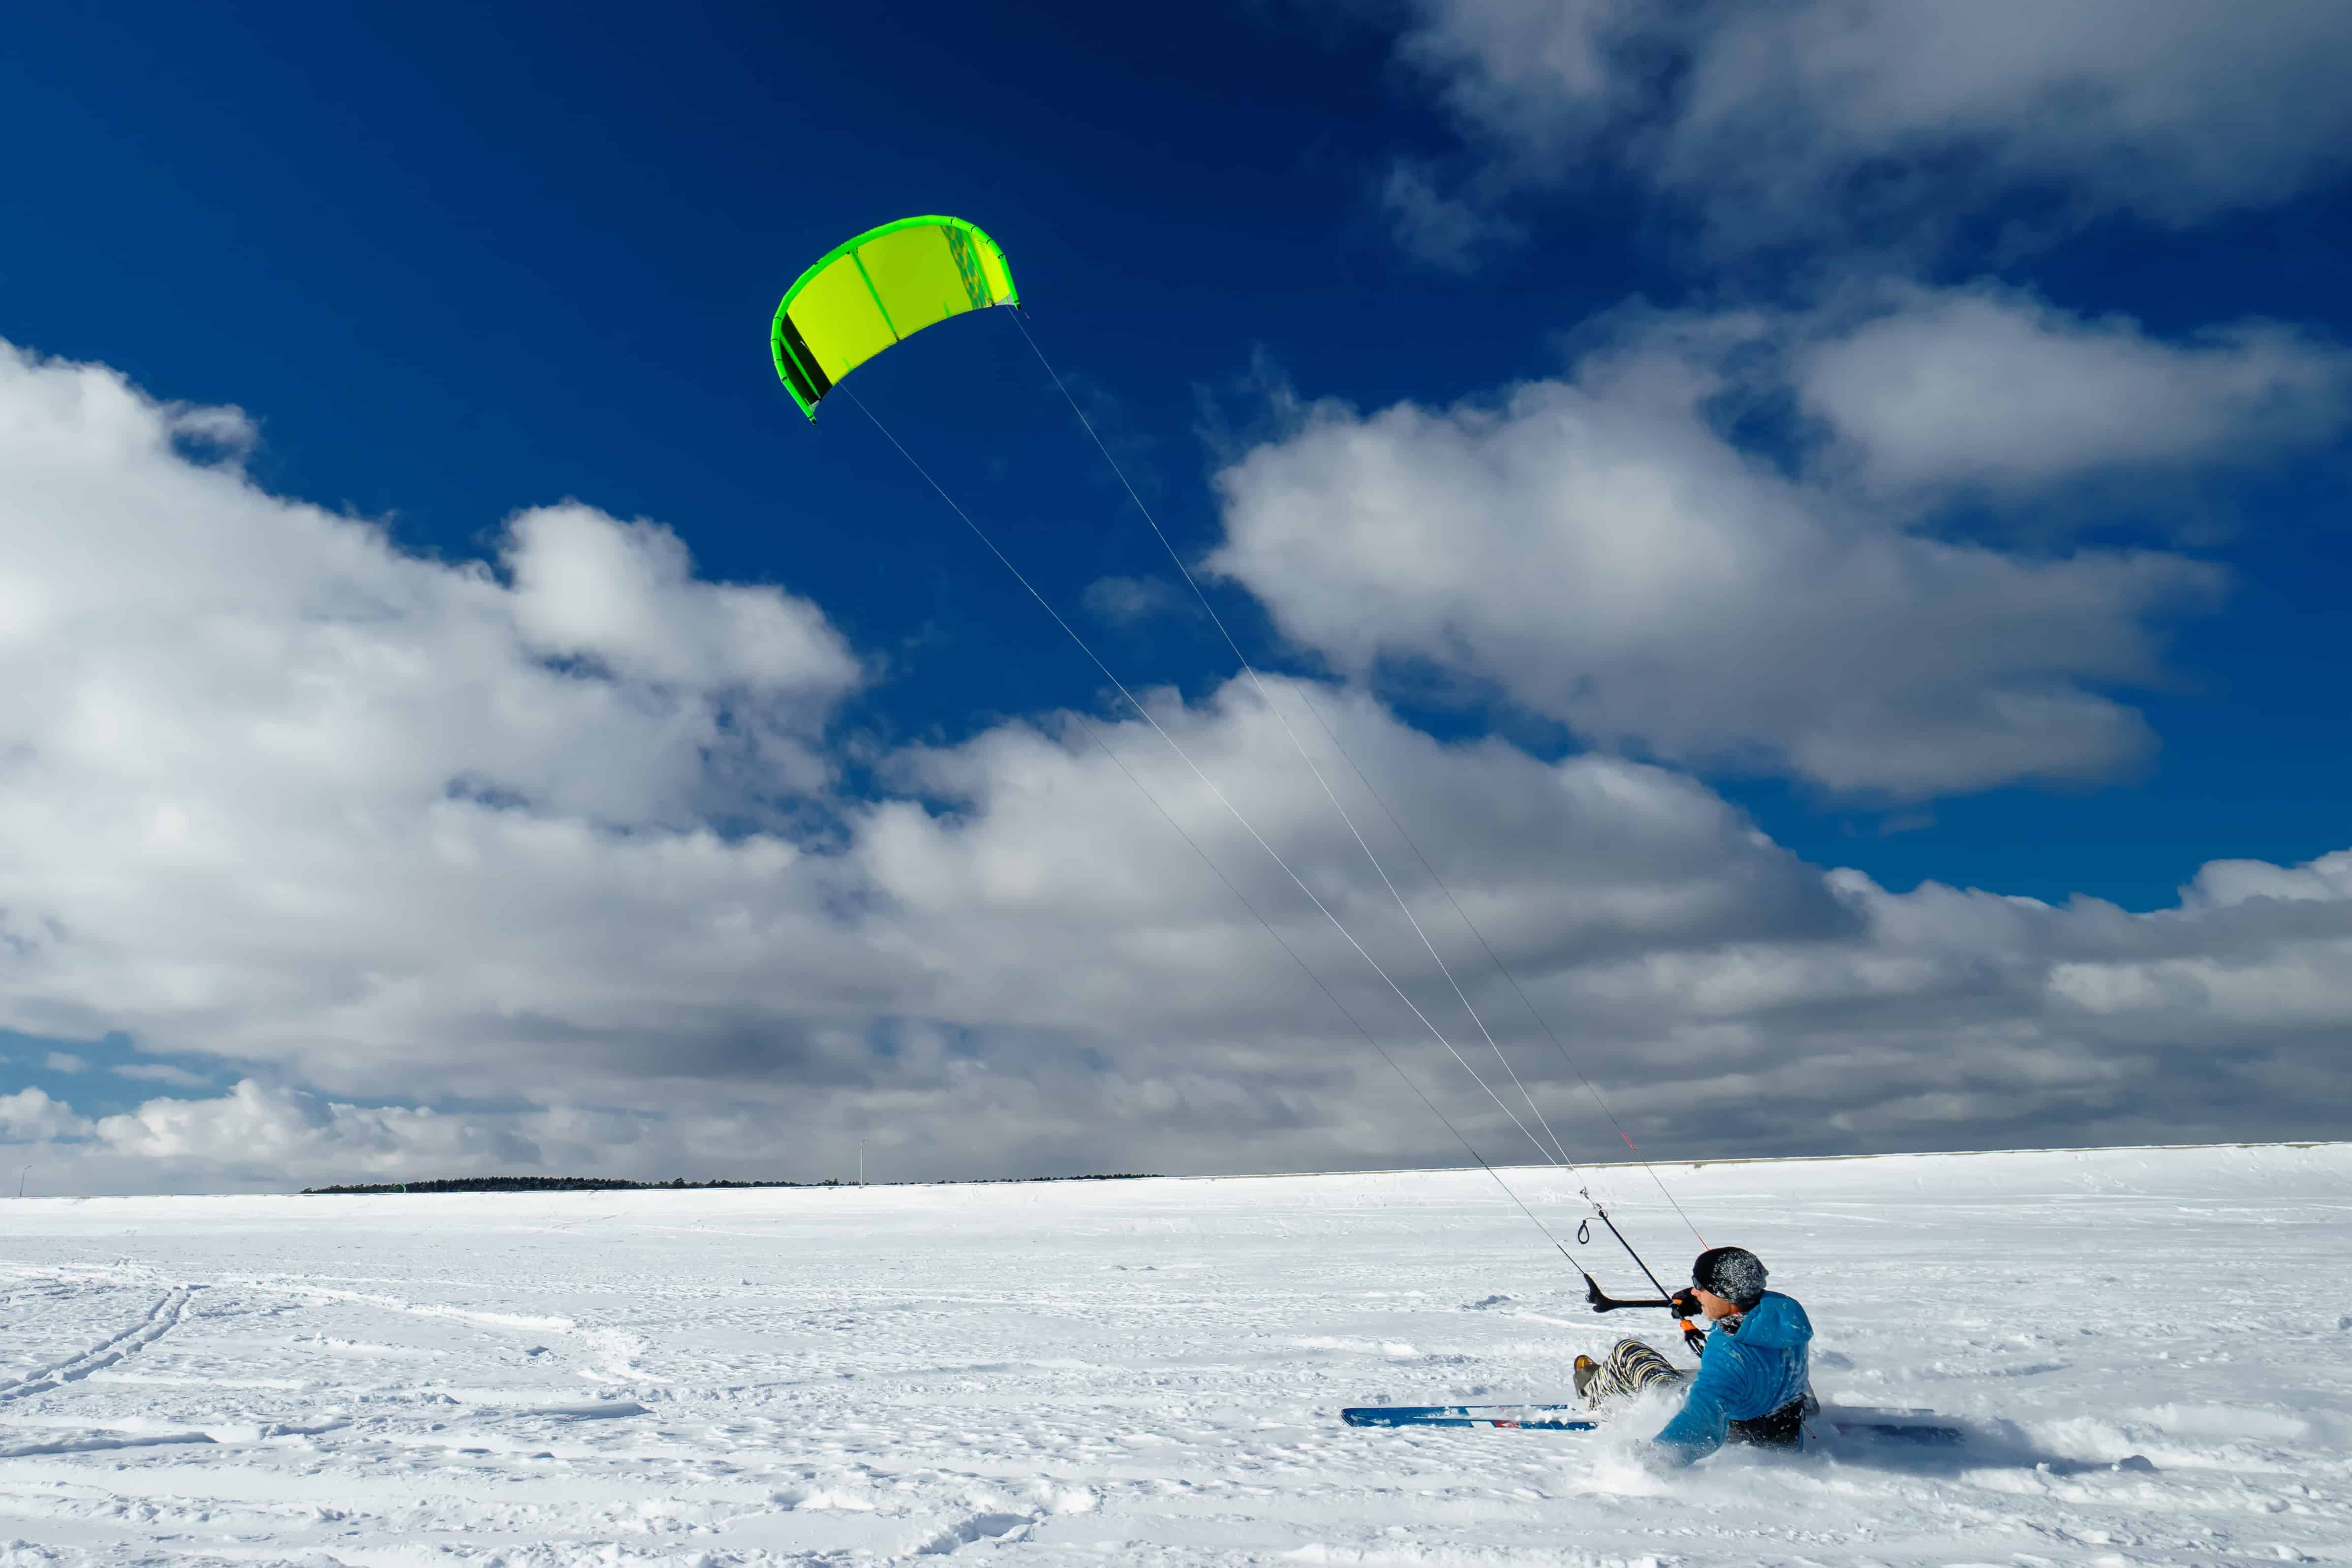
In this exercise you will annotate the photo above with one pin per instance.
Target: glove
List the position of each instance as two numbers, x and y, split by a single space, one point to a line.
1685 1303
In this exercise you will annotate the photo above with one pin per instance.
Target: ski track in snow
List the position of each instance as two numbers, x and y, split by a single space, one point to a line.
2150 1349
160 1320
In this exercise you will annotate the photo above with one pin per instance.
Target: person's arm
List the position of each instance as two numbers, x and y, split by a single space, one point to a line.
1698 1428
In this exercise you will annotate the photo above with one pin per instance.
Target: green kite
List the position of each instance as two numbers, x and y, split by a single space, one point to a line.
883 287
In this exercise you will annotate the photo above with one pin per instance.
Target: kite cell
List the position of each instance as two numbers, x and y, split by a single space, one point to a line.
883 287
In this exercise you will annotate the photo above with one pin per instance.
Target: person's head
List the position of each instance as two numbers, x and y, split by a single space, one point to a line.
1727 1280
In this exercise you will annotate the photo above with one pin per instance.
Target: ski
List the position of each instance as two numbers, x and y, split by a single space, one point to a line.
1548 1417
1890 1426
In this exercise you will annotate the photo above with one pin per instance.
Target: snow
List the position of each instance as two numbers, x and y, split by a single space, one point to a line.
2148 1348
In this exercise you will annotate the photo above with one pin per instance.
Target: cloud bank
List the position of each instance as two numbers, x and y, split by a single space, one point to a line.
1991 390
1610 550
546 862
1882 117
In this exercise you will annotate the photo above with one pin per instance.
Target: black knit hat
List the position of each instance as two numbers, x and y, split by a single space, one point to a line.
1732 1272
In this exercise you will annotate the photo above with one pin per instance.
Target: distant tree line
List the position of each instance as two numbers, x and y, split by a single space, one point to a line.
613 1184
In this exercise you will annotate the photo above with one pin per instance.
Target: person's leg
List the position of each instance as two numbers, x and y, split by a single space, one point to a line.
1629 1368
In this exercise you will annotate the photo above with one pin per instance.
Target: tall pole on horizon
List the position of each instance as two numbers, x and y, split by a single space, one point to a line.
20 1180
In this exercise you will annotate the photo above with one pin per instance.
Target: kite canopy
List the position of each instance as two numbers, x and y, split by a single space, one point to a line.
886 284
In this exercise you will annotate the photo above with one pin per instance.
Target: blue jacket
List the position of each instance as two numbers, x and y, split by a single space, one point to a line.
1745 1373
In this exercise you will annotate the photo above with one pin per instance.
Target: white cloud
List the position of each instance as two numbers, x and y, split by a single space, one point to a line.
2223 885
30 1116
432 869
1985 387
1054 851
625 596
1790 119
1599 549
161 1072
275 787
256 1128
64 1062
1935 1019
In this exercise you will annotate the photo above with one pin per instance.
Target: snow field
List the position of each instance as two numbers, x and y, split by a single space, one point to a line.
2149 1348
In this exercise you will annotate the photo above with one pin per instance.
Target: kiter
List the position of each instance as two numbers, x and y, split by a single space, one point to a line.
1753 1384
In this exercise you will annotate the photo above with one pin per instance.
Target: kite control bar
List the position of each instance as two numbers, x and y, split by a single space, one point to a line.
1682 1303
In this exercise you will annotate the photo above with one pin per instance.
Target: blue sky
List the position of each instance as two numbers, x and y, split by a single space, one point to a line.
459 264
454 264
